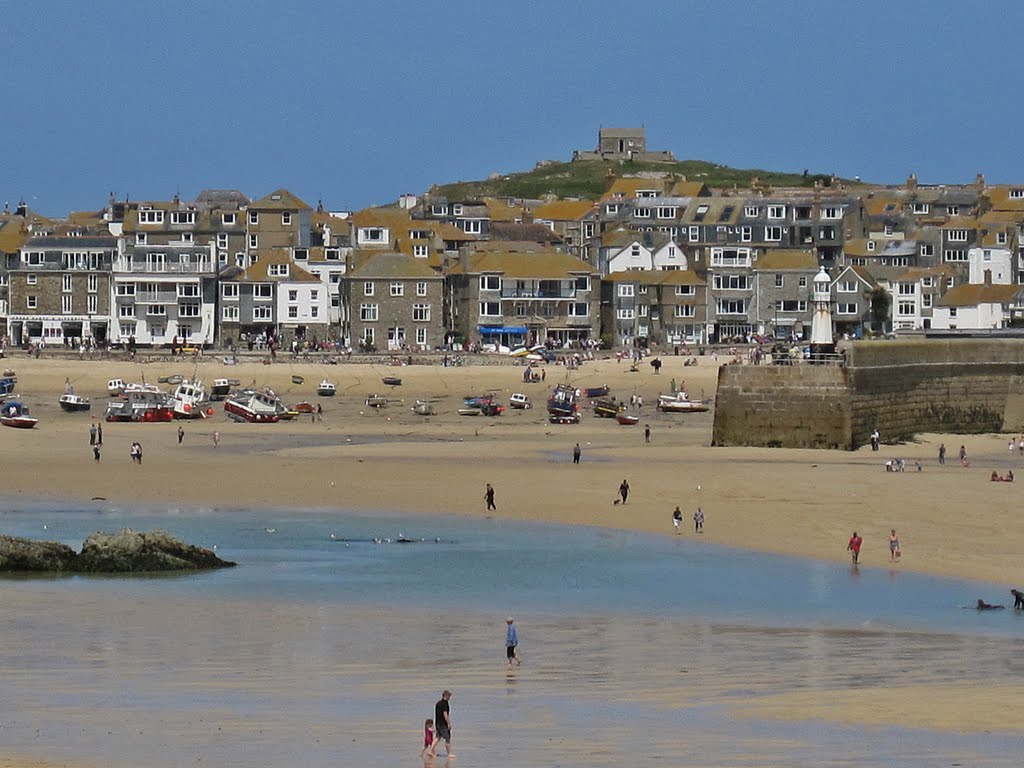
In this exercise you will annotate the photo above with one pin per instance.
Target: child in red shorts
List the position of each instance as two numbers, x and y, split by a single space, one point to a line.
428 735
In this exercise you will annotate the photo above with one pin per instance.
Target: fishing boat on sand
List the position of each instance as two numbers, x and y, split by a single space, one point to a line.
7 383
626 419
189 400
255 406
606 407
326 388
73 403
519 401
681 403
376 401
303 407
423 408
143 403
392 381
15 414
221 388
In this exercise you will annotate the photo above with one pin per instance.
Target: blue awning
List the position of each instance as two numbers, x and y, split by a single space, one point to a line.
494 330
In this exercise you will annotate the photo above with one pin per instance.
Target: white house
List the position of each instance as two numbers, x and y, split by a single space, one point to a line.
997 260
978 307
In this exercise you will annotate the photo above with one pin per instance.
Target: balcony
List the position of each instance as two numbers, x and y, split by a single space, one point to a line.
156 297
165 268
526 293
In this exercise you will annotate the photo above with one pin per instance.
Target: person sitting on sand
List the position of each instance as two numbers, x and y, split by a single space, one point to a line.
983 606
1009 476
995 477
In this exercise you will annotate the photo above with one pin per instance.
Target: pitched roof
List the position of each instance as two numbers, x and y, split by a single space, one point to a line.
973 294
690 189
279 200
551 265
13 235
563 210
541 233
787 258
222 198
258 272
500 210
656 277
1001 200
387 264
630 186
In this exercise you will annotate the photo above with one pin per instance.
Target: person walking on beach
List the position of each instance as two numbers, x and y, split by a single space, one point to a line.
489 497
894 546
511 641
854 547
319 412
963 457
698 521
647 433
576 453
92 433
99 434
216 439
677 518
942 453
624 491
442 725
428 736
96 453
181 434
874 440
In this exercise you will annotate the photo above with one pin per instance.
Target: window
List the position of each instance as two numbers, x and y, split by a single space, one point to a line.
149 216
641 213
397 289
667 212
846 286
314 294
421 289
314 311
65 304
701 212
641 290
31 279
793 305
332 254
65 283
957 235
641 310
802 281
222 240
952 311
731 307
189 309
1017 194
293 312
229 290
952 254
293 295
1000 238
626 289
846 309
871 245
472 226
624 314
920 208
490 309
490 282
773 233
685 290
368 313
126 310
779 281
254 241
286 219
156 309
634 251
926 301
684 310
927 249
92 304
986 255
421 337
456 209
952 210
368 335
34 258
579 309
367 289
183 217
611 208
906 289
746 234
262 312
140 238
888 230
905 308
421 313
438 210
776 211
254 217
127 329
732 282
228 219
229 313
826 233
831 212
751 211
277 270
188 290
262 291
694 234
421 251
583 283
520 309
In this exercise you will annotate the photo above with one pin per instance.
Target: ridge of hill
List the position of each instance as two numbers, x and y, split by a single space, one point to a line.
588 179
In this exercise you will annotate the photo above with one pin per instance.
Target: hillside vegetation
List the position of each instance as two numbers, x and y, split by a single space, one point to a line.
588 179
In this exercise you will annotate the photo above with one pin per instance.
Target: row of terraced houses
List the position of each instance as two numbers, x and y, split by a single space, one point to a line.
655 259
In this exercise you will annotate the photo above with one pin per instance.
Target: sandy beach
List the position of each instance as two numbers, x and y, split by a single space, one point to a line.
951 520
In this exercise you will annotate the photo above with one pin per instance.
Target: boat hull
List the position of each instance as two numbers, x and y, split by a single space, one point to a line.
74 404
240 412
19 422
626 420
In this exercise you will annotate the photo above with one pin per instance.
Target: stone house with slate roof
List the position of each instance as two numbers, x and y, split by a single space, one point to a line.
660 306
516 298
978 307
783 292
392 301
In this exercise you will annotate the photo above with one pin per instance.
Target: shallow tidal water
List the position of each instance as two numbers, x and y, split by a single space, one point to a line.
330 642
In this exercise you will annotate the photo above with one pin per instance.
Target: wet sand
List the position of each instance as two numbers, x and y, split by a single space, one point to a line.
951 520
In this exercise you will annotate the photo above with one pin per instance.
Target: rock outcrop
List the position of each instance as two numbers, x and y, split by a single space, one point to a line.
126 551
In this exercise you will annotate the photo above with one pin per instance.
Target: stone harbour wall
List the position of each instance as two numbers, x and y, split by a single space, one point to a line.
902 388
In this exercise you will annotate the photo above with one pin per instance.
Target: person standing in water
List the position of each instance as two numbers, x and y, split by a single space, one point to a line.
511 641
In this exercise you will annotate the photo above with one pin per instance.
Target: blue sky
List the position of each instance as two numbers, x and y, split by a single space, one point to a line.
356 103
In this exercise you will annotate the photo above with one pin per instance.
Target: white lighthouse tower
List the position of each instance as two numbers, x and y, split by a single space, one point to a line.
821 321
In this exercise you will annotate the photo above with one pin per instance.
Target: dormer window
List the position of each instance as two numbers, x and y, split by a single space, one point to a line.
439 210
277 270
149 216
871 245
183 217
229 219
1017 193
456 210
301 254
751 211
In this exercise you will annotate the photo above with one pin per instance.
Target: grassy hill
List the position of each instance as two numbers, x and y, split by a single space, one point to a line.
588 179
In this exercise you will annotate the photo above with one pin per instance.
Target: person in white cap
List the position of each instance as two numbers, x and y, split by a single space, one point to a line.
511 641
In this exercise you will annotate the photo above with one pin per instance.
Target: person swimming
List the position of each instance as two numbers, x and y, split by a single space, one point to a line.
983 606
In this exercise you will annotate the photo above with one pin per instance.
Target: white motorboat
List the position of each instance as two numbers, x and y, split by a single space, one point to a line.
681 403
190 400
